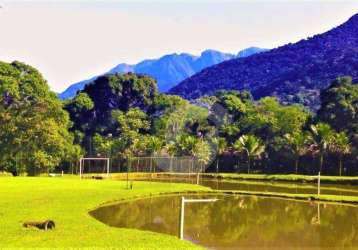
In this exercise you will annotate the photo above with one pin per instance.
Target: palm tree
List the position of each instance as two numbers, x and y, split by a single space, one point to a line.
252 145
342 147
153 145
322 137
299 145
186 144
221 145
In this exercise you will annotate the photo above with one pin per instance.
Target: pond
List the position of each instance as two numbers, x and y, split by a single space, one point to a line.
241 222
262 186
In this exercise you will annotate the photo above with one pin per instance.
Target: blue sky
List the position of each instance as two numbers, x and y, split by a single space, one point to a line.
69 41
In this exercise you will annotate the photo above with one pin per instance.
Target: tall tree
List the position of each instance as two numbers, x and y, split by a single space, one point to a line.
202 153
251 145
322 135
299 144
153 145
339 105
185 145
342 146
220 146
227 112
34 133
131 126
91 110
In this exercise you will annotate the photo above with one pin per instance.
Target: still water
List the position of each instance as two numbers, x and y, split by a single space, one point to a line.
283 187
242 222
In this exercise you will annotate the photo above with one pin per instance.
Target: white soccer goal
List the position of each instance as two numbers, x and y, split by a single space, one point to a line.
83 160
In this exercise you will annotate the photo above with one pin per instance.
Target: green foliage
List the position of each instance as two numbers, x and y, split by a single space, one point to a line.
341 143
153 144
103 145
228 112
299 143
322 135
185 145
339 106
133 121
271 119
34 133
174 116
132 126
81 102
202 152
119 116
251 145
342 146
91 110
220 144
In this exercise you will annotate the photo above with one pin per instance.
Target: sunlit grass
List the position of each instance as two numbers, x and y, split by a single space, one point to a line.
67 202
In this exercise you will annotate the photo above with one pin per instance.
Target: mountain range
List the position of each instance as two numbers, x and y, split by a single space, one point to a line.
293 72
168 70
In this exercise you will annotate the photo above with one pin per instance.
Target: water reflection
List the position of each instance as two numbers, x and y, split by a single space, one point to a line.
242 222
281 187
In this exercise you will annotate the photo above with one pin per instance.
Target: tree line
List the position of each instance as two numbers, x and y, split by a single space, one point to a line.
123 115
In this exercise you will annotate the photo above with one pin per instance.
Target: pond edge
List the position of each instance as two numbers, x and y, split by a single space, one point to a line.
333 199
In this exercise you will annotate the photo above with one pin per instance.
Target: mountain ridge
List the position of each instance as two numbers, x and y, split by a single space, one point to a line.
294 72
169 69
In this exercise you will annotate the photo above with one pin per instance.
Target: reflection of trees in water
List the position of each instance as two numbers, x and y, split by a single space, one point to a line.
244 220
156 214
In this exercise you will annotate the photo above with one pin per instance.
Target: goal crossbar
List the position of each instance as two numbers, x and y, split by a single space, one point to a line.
82 161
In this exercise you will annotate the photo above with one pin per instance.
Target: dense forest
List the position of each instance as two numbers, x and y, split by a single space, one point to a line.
123 115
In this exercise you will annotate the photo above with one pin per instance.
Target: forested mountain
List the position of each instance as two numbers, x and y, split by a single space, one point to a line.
294 72
169 69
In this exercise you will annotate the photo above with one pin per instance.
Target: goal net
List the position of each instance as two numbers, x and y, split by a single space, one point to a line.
94 167
164 168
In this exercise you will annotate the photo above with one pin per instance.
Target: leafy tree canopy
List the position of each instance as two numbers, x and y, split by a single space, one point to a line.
33 125
339 105
91 110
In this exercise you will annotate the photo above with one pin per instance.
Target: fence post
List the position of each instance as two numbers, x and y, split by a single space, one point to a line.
128 166
108 168
181 219
319 183
81 168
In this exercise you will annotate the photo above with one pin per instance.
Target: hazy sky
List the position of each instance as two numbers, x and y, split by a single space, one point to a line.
70 41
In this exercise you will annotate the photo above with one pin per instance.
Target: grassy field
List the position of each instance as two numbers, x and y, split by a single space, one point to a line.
353 180
67 202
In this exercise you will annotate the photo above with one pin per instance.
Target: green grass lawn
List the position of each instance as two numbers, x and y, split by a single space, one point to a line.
67 202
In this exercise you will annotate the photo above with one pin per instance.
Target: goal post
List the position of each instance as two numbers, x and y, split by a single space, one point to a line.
82 161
